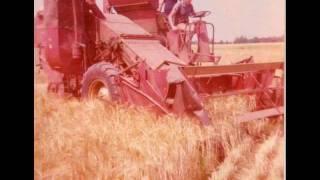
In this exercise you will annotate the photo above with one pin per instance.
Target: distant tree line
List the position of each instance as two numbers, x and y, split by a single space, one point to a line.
244 39
223 42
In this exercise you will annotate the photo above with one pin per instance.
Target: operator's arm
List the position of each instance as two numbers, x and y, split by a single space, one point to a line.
160 5
172 15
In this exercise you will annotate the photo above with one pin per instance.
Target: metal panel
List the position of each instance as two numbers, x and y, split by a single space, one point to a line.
122 25
151 51
132 3
62 30
143 12
207 71
260 114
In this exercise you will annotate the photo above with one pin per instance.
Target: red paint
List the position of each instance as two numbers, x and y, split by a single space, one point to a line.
166 78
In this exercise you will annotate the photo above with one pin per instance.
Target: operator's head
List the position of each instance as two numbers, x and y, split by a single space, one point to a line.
187 1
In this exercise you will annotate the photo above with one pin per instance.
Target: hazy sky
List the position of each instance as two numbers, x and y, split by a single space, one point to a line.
233 18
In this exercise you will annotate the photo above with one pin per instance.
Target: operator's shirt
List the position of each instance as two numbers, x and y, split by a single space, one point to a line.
168 5
183 12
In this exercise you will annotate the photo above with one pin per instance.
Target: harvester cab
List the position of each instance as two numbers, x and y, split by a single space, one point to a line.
90 52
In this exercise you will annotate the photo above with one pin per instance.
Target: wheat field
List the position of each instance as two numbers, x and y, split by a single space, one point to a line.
89 140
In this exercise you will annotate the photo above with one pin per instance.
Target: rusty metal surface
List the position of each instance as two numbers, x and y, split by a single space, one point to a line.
151 51
133 6
142 12
260 114
121 3
204 71
134 36
122 25
137 6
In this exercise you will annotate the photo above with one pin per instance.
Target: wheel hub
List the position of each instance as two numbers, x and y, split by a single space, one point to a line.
104 94
98 90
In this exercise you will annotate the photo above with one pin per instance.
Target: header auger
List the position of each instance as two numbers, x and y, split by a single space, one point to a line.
128 54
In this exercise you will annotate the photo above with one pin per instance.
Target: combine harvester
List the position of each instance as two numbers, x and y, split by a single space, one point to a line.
126 52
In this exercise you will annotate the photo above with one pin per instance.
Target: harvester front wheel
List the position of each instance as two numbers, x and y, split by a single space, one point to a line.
99 82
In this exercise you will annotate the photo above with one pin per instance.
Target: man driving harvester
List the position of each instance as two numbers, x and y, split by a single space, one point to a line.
179 15
182 31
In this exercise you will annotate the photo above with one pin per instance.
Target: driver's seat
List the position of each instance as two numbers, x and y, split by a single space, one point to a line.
204 52
181 45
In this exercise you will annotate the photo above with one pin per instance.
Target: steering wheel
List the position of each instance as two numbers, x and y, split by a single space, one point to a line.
201 14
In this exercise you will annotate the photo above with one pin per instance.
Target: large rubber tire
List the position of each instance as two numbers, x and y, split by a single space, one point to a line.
101 76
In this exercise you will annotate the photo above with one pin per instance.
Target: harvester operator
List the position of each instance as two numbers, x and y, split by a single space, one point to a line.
166 6
179 15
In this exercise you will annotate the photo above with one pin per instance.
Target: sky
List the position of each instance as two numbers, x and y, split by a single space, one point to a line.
233 18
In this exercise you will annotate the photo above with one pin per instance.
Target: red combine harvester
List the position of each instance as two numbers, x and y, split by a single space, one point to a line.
126 52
